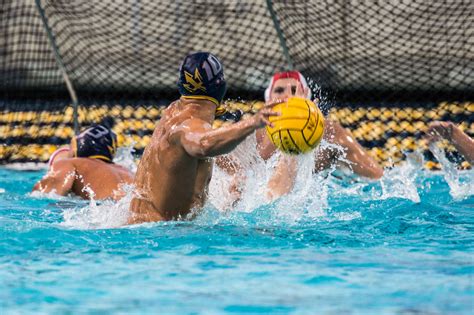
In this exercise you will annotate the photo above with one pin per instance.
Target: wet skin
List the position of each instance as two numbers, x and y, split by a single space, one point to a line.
284 175
361 162
85 177
438 130
174 172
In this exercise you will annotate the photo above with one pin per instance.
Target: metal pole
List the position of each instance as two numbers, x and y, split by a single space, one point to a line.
276 23
136 29
62 68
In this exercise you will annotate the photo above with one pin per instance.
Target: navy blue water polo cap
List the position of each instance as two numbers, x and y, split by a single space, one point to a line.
96 142
201 76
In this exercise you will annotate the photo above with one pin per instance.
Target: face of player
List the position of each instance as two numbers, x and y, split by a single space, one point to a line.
285 88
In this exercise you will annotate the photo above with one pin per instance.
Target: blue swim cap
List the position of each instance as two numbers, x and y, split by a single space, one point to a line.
96 142
201 76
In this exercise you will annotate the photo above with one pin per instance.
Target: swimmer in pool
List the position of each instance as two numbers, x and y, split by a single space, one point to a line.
175 169
65 151
438 130
90 172
292 83
282 86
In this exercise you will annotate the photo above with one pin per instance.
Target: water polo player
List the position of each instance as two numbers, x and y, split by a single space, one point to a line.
292 83
66 152
90 172
174 172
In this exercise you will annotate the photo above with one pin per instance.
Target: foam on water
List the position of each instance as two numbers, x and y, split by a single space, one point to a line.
308 200
400 182
124 157
457 189
382 255
100 215
28 166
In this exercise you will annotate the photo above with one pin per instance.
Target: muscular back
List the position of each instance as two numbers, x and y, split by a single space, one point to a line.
85 177
169 182
103 179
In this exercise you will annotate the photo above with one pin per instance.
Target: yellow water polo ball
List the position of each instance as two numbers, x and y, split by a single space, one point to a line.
299 128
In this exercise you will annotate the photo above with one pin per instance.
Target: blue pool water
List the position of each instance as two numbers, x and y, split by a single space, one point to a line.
372 249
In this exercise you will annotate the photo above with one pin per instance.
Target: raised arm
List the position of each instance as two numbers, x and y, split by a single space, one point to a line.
201 141
360 161
449 131
60 178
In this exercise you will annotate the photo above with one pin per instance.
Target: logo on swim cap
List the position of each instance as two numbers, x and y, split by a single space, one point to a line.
194 83
97 142
201 76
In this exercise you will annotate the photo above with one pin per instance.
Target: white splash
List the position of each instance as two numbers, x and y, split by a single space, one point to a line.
457 189
252 180
307 198
124 157
400 181
27 166
100 215
51 195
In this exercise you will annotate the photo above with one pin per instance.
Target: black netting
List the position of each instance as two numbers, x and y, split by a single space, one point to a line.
26 61
391 49
355 50
385 68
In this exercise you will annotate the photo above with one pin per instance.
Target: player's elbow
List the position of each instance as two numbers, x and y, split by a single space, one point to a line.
201 150
373 172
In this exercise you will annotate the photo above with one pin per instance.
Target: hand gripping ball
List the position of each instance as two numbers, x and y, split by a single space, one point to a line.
299 128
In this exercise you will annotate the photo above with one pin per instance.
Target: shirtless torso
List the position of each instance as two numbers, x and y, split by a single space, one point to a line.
166 171
85 177
176 167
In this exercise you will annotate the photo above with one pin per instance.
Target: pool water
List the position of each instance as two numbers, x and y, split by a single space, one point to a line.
403 245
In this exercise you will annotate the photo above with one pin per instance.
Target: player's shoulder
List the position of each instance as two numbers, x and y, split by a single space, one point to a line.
64 164
82 161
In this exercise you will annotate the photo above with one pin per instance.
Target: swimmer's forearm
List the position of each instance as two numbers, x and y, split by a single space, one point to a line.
224 140
463 143
361 162
60 179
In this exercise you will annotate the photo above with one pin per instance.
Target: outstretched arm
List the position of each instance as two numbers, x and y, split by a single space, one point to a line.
201 141
59 178
361 162
449 131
